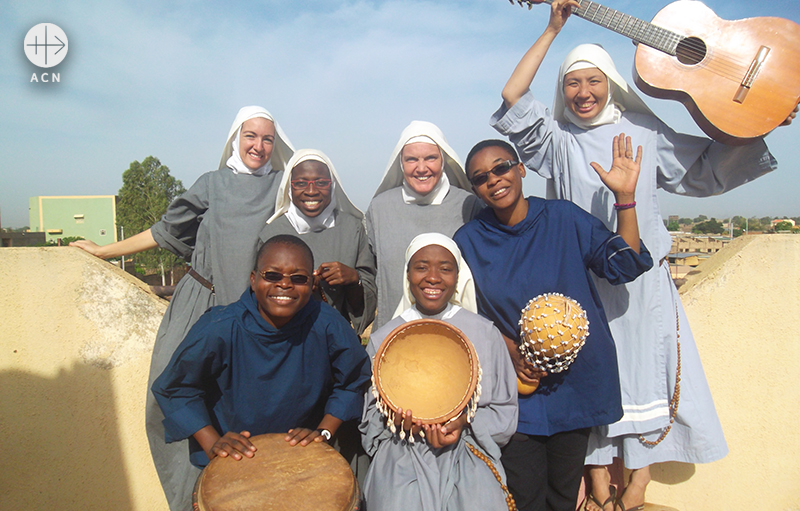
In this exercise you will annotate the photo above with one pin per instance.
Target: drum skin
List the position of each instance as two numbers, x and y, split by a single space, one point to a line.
429 367
278 478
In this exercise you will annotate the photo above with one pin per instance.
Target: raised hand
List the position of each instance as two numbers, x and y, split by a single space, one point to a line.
624 173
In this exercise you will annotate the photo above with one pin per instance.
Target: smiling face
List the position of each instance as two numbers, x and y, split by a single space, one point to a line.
311 200
432 275
256 141
585 92
278 302
422 166
501 193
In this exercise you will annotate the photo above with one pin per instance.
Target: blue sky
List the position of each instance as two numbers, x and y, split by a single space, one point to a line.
167 78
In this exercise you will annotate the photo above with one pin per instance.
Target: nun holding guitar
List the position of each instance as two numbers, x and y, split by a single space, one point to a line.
656 352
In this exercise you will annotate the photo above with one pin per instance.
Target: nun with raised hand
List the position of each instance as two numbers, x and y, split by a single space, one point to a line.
215 225
313 205
666 418
423 189
454 466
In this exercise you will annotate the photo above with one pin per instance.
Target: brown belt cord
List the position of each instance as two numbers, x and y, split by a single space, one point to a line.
512 506
199 278
676 394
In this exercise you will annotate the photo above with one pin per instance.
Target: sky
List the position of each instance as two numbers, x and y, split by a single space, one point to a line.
166 79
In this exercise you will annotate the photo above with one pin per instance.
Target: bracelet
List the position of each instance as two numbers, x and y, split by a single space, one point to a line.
324 433
629 205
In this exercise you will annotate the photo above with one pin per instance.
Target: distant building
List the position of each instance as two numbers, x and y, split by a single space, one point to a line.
779 220
706 245
21 239
92 217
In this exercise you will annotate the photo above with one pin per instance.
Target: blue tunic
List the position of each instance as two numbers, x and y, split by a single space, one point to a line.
552 251
642 314
237 372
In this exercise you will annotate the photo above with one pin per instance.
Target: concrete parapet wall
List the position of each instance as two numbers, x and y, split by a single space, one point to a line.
744 309
76 335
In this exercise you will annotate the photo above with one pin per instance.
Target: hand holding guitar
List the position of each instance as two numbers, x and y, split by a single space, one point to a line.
737 78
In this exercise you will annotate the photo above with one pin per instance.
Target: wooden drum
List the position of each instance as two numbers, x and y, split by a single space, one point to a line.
429 367
278 478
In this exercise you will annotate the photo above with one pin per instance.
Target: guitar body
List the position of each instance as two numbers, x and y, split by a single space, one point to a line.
708 87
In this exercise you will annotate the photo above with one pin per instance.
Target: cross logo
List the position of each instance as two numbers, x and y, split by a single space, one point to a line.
46 45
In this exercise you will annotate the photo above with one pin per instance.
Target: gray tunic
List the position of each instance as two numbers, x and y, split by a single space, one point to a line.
392 224
345 242
415 476
216 225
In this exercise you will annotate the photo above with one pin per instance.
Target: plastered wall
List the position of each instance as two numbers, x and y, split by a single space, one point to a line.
76 335
744 310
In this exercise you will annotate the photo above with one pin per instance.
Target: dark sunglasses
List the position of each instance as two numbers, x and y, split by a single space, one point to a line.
499 170
319 184
297 279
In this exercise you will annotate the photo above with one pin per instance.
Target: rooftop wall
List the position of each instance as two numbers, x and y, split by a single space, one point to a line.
744 310
76 335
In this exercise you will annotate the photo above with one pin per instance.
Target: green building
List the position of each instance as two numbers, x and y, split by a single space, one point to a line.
93 217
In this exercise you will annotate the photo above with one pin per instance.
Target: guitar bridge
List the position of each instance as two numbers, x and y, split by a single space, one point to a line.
750 76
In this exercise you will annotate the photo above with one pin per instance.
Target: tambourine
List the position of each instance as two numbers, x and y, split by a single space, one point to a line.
553 329
280 477
429 367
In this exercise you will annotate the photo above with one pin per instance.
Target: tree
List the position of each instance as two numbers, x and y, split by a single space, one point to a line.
709 227
685 221
673 226
701 218
147 189
783 226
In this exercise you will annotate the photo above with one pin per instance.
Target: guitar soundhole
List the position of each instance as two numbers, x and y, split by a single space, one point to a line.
691 51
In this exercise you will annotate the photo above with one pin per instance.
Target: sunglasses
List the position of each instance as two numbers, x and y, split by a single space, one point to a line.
297 279
499 170
319 184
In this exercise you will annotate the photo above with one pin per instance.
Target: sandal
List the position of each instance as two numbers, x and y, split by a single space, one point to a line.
619 504
610 500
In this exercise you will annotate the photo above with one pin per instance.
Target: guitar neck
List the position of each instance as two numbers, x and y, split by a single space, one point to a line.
639 31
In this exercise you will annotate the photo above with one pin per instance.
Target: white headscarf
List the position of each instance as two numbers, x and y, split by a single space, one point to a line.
327 218
464 295
282 149
620 96
421 131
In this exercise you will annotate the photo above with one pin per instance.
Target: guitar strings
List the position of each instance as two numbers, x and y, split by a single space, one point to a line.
724 64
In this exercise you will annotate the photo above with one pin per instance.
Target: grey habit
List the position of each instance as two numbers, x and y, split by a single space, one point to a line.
215 224
392 224
404 476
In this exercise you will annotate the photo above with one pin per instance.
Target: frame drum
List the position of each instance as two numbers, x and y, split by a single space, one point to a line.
278 478
429 367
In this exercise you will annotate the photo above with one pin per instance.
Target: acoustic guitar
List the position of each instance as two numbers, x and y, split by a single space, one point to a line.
738 79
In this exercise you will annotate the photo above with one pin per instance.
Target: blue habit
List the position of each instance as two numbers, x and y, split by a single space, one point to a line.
552 251
237 372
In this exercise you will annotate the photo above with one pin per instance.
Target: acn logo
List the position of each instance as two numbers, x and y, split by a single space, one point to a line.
46 45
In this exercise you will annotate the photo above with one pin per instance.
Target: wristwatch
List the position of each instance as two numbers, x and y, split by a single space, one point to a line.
324 433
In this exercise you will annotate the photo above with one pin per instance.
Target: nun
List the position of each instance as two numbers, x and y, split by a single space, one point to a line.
215 225
423 189
453 466
312 204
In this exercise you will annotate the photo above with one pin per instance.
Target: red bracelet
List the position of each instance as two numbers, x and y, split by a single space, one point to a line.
629 205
